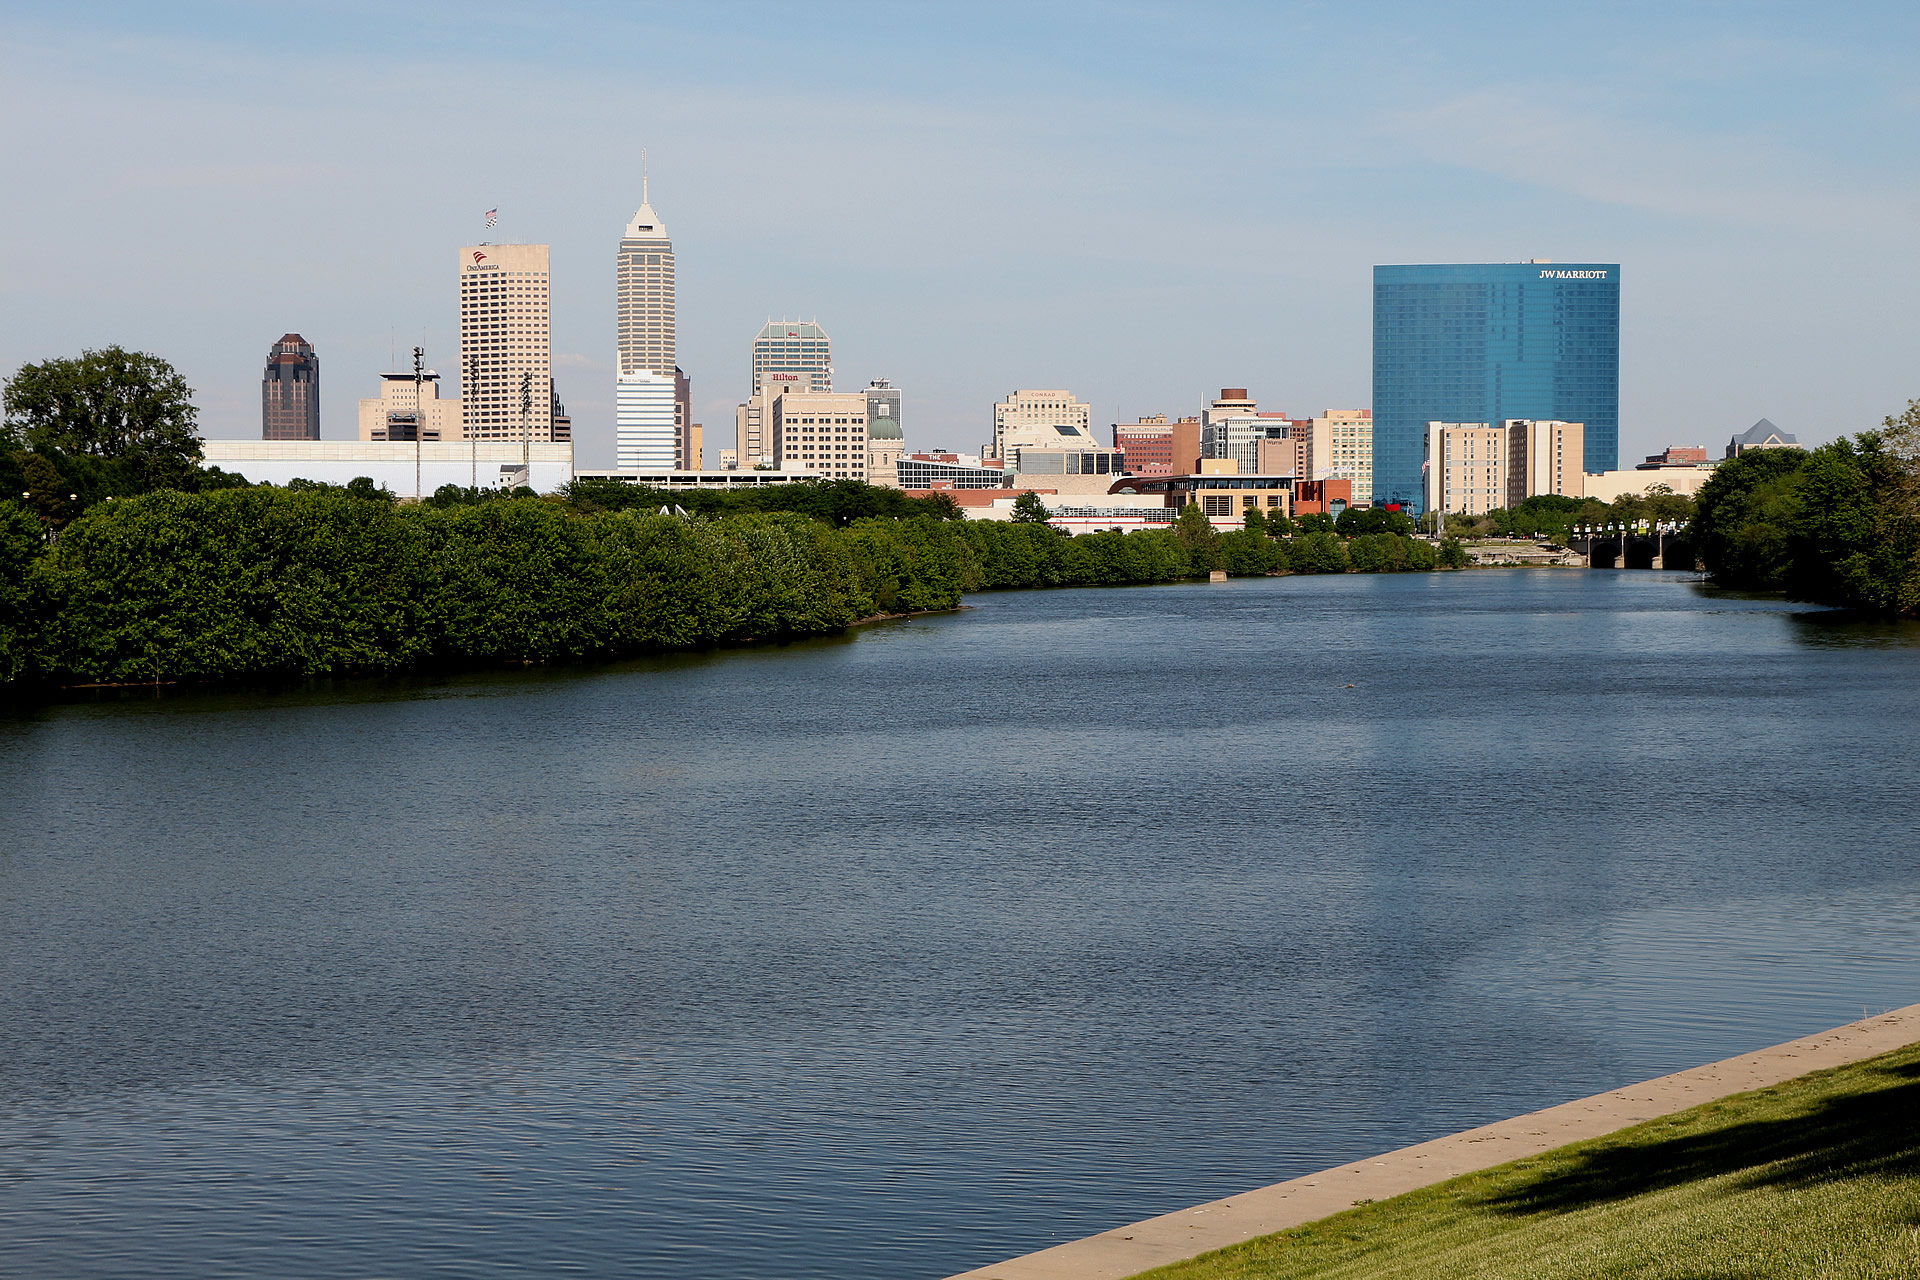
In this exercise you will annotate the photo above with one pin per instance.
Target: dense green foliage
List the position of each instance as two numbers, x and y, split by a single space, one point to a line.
106 424
1839 525
1355 521
325 580
1551 516
1819 1176
20 544
838 502
124 560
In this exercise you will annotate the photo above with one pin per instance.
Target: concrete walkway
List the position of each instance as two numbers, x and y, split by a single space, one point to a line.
1172 1237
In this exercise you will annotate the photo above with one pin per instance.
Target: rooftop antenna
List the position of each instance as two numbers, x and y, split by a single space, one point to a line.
643 175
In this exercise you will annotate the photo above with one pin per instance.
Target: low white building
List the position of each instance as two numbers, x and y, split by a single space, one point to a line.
645 435
726 478
1609 485
405 469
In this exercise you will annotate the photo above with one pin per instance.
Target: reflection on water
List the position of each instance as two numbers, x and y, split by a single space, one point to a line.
892 954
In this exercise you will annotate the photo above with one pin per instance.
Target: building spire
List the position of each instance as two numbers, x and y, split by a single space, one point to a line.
646 223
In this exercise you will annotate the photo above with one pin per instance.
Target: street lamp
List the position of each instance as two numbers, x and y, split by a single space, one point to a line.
526 428
467 393
419 412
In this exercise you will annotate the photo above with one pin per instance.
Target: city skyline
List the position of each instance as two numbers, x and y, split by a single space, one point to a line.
1720 160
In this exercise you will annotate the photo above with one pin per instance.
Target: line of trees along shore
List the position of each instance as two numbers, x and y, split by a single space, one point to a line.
125 560
264 582
1838 525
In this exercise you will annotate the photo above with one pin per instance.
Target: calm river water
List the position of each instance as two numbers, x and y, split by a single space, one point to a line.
895 954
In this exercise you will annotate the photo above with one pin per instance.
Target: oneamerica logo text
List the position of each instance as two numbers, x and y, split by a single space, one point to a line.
1573 275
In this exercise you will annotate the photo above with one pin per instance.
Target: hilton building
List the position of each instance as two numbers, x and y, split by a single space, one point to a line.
1486 344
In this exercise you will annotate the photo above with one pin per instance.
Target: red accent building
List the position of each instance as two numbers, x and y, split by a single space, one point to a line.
1311 497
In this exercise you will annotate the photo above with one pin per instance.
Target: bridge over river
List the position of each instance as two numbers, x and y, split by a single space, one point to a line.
1660 546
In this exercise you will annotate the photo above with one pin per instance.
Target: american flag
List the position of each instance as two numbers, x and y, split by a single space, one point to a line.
493 216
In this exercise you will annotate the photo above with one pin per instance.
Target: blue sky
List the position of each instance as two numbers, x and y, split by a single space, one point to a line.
1139 202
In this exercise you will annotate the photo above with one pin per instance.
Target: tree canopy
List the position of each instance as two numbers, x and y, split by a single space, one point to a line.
106 423
1837 525
1028 509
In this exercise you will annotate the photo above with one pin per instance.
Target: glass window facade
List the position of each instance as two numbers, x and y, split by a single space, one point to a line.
1483 343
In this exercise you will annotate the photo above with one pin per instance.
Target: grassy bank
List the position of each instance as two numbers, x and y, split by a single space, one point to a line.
1819 1176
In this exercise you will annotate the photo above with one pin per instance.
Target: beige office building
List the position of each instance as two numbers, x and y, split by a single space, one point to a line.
1545 456
1037 409
1342 444
1467 467
394 413
1060 456
506 349
753 421
820 431
1284 456
1474 468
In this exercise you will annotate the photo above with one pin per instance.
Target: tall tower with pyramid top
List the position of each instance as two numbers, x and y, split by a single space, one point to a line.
644 292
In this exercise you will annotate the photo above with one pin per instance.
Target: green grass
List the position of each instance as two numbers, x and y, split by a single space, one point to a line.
1817 1177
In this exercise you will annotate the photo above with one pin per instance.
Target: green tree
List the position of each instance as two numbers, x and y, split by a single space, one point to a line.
1320 552
1744 517
1249 553
1355 521
1313 522
1200 538
1254 522
1855 543
127 409
1028 509
21 544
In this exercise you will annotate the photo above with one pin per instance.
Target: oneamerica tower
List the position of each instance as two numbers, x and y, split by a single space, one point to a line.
1488 342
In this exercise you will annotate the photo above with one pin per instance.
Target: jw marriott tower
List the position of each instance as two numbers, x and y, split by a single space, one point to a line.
653 418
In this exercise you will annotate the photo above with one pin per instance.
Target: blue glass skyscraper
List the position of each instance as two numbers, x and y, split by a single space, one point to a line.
1488 342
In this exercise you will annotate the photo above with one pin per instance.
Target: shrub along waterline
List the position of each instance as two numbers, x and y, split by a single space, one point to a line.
264 583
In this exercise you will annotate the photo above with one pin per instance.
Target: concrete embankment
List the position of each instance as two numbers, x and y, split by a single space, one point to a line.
1129 1250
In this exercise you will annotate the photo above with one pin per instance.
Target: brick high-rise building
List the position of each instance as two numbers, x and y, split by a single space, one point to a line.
290 391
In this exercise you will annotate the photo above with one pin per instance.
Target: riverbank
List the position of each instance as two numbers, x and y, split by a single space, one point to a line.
1793 1110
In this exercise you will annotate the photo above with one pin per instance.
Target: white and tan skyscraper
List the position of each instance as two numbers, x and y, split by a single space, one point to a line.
646 315
644 294
505 342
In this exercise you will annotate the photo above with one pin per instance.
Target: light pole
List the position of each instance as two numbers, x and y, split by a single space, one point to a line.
526 428
419 413
466 414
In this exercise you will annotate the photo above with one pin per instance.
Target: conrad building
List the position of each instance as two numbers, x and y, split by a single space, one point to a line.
787 355
290 391
506 348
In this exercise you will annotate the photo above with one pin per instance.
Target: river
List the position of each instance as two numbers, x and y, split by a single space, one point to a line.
896 953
